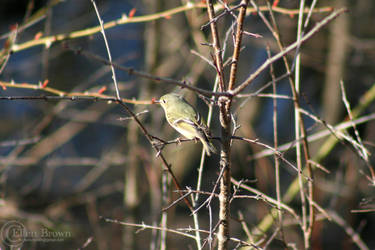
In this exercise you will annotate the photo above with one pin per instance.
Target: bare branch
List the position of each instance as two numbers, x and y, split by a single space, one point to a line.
288 49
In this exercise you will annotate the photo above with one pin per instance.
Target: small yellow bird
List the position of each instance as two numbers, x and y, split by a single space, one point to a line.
186 120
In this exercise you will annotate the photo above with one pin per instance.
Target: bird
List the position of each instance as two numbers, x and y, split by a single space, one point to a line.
184 118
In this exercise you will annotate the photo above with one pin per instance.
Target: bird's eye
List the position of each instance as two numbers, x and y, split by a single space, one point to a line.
164 101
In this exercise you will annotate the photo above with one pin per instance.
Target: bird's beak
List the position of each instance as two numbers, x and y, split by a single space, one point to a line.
154 101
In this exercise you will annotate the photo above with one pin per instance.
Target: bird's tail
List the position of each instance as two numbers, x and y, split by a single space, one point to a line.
208 146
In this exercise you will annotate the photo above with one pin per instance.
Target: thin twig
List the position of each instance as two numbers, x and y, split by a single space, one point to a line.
226 11
338 134
62 95
178 200
160 155
158 79
276 143
267 198
356 238
48 40
348 109
300 133
6 51
326 132
216 45
180 231
288 49
277 153
237 44
108 50
13 143
164 215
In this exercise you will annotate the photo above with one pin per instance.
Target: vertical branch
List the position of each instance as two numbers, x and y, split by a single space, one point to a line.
237 45
224 104
108 50
301 133
225 184
216 45
164 216
225 118
200 173
297 119
362 151
275 142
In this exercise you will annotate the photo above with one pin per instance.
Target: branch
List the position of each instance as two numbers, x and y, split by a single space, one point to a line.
216 45
49 40
132 71
108 50
288 49
237 45
62 95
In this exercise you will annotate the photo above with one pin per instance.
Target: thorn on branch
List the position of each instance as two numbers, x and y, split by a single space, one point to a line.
38 35
207 44
102 89
225 11
44 84
132 12
178 140
207 100
13 27
3 86
252 34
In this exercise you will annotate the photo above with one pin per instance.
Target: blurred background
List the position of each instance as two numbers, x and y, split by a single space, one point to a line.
65 164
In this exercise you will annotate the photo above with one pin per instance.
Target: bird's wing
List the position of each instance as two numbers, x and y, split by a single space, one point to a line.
183 120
